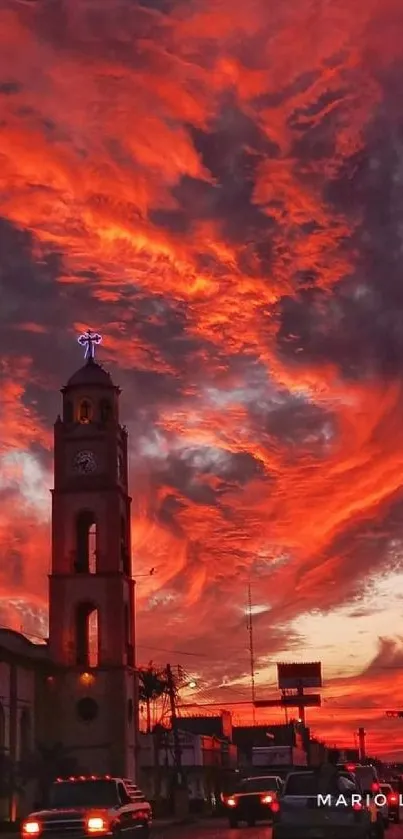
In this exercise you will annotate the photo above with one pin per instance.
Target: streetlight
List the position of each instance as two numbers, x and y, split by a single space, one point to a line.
150 573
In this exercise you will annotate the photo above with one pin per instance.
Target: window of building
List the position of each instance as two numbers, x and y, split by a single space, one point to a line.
85 412
86 543
25 733
87 635
87 709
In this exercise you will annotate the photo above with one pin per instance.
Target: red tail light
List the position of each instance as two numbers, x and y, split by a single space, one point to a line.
374 787
393 799
275 807
357 806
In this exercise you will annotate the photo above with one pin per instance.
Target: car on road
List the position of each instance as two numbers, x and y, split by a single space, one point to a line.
366 775
368 780
381 799
91 806
300 813
253 799
393 799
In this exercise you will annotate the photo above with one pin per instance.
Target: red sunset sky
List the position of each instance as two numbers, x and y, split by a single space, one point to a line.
217 187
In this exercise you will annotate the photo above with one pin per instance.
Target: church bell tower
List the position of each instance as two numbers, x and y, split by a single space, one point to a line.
91 589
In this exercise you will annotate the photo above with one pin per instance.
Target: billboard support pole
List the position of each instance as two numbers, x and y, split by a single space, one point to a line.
301 707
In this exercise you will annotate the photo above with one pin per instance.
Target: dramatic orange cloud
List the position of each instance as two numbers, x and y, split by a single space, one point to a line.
216 187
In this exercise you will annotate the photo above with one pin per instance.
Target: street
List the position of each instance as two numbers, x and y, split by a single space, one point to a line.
218 829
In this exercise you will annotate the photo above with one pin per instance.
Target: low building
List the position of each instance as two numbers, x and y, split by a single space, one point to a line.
23 673
216 725
205 760
249 739
317 752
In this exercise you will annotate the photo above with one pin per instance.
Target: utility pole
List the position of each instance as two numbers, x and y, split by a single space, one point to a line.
361 741
251 652
174 724
180 792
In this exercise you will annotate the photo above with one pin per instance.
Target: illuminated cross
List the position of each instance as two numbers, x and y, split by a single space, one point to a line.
88 340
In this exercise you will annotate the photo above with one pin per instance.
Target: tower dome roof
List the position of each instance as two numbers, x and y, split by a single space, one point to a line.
90 374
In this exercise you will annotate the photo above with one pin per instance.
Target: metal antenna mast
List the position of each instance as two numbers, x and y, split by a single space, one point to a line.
251 652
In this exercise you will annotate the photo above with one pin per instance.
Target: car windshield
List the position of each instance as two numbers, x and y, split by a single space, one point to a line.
257 784
309 784
84 794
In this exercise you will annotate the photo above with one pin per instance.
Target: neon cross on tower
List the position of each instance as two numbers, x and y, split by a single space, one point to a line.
89 340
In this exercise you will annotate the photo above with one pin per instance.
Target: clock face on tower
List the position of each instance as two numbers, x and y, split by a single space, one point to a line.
85 462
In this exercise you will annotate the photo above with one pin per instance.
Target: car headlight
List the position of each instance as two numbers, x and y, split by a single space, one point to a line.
97 824
31 828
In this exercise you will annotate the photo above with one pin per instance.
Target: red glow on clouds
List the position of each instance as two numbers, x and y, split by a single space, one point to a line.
213 187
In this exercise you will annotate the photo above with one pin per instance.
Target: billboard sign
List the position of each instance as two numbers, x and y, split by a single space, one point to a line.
294 676
309 700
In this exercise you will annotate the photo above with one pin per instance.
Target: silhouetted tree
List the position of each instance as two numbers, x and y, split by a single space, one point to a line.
153 685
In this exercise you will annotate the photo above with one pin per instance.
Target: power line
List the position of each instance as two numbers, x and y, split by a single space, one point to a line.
341 669
248 702
172 652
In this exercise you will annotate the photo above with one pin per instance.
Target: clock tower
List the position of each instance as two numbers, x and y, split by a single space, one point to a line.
91 588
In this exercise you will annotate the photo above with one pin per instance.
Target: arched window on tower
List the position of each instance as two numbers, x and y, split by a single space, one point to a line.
105 410
68 413
124 553
85 412
87 635
25 733
86 543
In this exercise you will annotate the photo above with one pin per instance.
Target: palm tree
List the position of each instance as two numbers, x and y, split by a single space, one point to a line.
153 685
